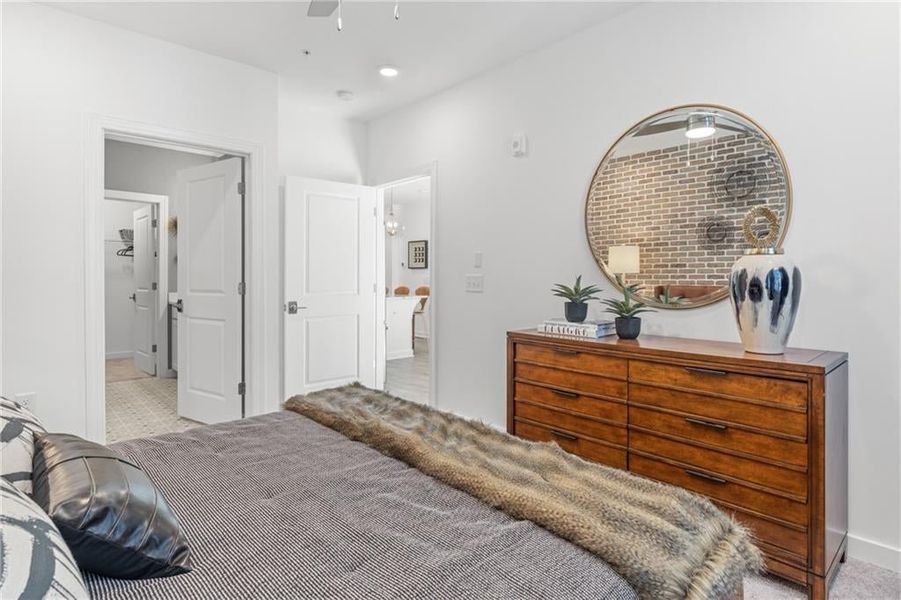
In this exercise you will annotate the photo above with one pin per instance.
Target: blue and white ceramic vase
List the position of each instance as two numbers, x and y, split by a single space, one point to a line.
765 287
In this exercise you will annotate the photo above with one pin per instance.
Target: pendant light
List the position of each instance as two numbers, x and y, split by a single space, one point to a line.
392 225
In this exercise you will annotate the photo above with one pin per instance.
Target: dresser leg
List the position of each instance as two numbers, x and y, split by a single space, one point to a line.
816 588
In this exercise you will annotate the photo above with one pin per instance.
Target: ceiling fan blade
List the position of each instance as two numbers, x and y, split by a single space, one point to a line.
322 8
730 127
659 128
673 125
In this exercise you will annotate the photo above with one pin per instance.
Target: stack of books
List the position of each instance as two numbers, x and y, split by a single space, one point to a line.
586 329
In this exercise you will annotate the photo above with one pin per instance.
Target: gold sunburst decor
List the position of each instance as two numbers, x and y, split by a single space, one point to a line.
767 241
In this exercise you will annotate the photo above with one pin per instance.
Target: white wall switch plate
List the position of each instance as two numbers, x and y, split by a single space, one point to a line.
477 260
475 284
26 399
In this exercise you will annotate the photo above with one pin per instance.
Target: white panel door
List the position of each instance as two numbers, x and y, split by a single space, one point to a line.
330 285
209 272
144 324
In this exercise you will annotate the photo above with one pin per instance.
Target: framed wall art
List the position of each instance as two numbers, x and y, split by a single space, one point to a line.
418 254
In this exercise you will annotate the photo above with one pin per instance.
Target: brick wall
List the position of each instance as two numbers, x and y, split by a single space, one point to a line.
684 206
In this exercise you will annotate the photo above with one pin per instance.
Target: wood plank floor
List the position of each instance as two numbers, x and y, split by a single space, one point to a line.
408 378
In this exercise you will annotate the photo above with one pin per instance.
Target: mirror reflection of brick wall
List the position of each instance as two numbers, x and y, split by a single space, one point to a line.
684 206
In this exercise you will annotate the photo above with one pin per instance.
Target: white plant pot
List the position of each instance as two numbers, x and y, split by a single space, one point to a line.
765 288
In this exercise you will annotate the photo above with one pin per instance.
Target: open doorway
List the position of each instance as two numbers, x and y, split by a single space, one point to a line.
408 289
171 228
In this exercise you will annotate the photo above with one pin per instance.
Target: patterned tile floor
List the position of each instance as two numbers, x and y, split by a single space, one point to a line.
123 369
142 408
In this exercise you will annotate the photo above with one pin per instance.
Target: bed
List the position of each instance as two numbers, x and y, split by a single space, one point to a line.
279 506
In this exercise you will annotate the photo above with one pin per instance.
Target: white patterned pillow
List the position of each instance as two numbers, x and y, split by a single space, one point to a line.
37 563
17 428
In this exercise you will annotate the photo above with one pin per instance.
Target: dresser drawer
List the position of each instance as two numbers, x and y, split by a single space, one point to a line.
718 488
590 450
754 387
570 380
568 400
752 444
572 359
787 543
778 479
568 423
768 418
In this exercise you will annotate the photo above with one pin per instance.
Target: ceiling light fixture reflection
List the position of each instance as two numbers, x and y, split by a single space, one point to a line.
700 125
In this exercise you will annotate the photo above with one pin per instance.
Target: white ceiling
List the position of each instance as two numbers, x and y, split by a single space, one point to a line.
434 44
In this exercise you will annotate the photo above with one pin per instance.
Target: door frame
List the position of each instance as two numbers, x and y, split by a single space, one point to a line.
429 170
257 351
161 326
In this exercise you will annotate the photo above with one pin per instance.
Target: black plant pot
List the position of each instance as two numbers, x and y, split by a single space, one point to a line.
628 328
575 311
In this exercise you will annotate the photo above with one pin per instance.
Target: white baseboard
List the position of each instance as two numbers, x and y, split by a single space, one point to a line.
399 354
115 355
875 553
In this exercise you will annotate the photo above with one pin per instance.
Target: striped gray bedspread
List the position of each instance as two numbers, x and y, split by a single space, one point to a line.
279 506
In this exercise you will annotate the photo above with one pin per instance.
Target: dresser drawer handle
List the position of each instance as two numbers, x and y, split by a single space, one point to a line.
566 351
705 476
703 371
703 423
565 436
564 393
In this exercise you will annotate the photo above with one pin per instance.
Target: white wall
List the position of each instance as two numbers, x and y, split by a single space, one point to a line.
414 217
801 70
58 68
317 143
119 280
150 170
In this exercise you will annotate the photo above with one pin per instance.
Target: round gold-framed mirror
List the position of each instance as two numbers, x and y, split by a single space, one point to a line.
666 205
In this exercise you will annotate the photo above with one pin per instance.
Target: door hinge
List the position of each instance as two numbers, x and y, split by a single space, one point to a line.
241 388
375 211
153 222
153 286
241 187
153 348
242 288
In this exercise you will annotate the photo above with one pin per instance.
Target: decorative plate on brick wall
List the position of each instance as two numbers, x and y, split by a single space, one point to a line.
678 185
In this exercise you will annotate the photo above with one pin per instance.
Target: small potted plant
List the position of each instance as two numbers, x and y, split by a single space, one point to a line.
576 307
628 324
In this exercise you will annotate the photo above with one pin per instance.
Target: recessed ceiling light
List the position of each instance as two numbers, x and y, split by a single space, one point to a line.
388 71
345 95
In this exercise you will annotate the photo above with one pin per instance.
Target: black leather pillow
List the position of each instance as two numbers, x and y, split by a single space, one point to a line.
111 515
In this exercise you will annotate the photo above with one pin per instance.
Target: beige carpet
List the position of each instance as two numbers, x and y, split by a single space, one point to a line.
856 580
142 408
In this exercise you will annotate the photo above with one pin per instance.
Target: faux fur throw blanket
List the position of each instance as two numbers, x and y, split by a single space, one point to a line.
665 541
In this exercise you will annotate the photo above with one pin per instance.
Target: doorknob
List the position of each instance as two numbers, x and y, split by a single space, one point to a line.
133 298
180 306
293 307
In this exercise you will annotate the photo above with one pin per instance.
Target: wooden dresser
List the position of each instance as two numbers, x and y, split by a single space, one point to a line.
765 437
